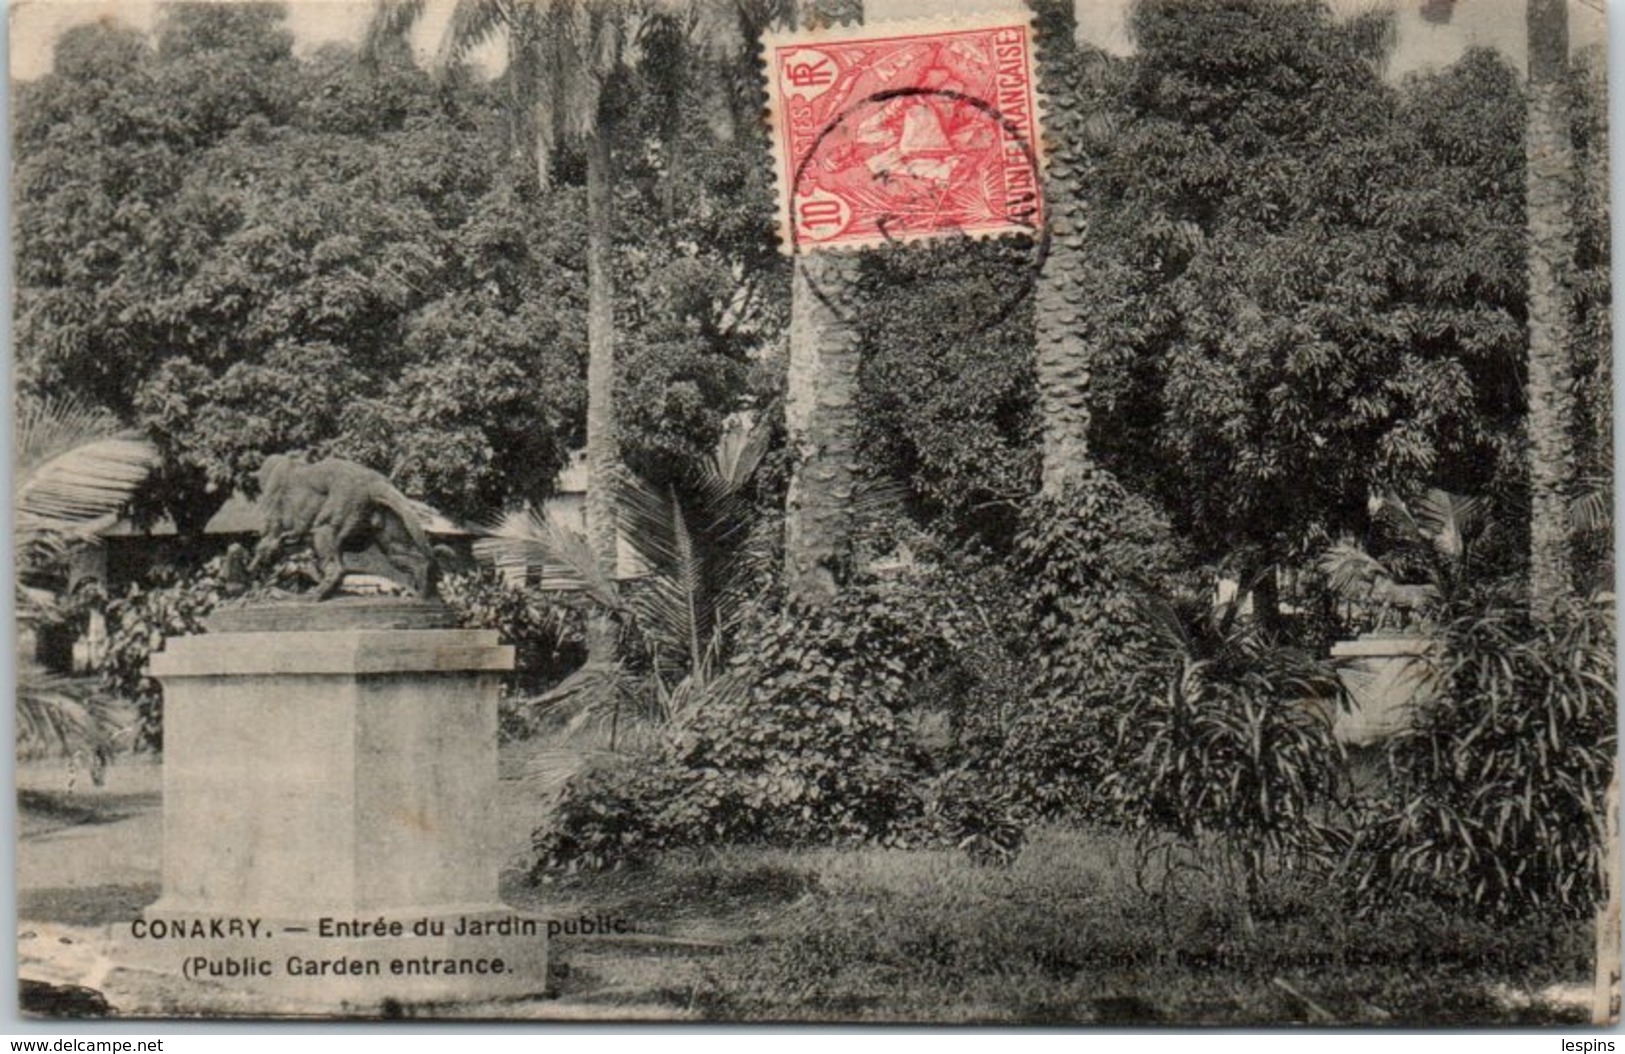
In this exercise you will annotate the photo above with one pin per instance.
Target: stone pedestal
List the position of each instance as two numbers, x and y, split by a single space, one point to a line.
316 778
1386 678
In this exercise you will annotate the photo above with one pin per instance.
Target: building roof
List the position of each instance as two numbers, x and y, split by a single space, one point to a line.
239 515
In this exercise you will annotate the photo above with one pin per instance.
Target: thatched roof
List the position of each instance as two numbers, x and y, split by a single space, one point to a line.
240 516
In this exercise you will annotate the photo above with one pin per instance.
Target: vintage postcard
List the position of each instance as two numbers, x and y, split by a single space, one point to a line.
815 511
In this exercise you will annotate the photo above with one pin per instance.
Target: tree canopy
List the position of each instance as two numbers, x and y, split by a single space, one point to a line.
1303 280
1306 281
243 252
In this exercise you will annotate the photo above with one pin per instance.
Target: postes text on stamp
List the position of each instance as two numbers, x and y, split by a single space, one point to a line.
903 132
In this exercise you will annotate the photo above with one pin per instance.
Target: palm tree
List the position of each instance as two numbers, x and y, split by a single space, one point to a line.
560 54
699 557
820 403
1550 161
75 469
821 425
1062 358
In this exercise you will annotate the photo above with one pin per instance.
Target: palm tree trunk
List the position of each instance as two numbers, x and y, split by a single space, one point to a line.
1550 392
821 420
820 406
603 446
1062 357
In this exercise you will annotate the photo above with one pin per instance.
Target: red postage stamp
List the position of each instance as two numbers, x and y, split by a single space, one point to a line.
897 133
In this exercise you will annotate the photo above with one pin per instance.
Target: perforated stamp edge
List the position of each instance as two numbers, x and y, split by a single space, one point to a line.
784 174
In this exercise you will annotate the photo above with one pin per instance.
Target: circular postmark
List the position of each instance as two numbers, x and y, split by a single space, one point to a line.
912 176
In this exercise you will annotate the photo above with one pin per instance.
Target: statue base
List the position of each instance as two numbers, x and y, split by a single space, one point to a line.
342 774
297 614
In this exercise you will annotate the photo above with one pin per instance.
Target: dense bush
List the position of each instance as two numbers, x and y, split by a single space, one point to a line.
1084 560
1233 743
949 405
803 742
138 623
1497 794
547 636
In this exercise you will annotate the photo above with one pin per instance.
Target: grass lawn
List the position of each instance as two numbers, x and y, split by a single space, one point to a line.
1061 936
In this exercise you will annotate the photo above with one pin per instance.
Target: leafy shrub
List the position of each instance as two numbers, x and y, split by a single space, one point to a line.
1058 750
548 636
1084 559
951 408
966 809
801 743
609 816
138 623
1497 794
1233 741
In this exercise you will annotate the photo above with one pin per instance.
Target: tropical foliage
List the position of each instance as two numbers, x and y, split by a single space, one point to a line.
1426 565
1021 531
812 747
698 557
1497 797
1229 739
76 467
138 623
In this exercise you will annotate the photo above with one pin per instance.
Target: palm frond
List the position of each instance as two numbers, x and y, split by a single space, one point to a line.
606 707
1449 521
548 772
695 694
46 427
1235 639
878 497
41 554
1350 571
648 517
66 716
560 53
74 464
523 540
76 468
738 455
675 601
696 537
691 581
1165 624
81 488
473 24
1395 516
1592 510
391 21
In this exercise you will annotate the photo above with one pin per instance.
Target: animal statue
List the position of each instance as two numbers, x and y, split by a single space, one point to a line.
337 505
1400 605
